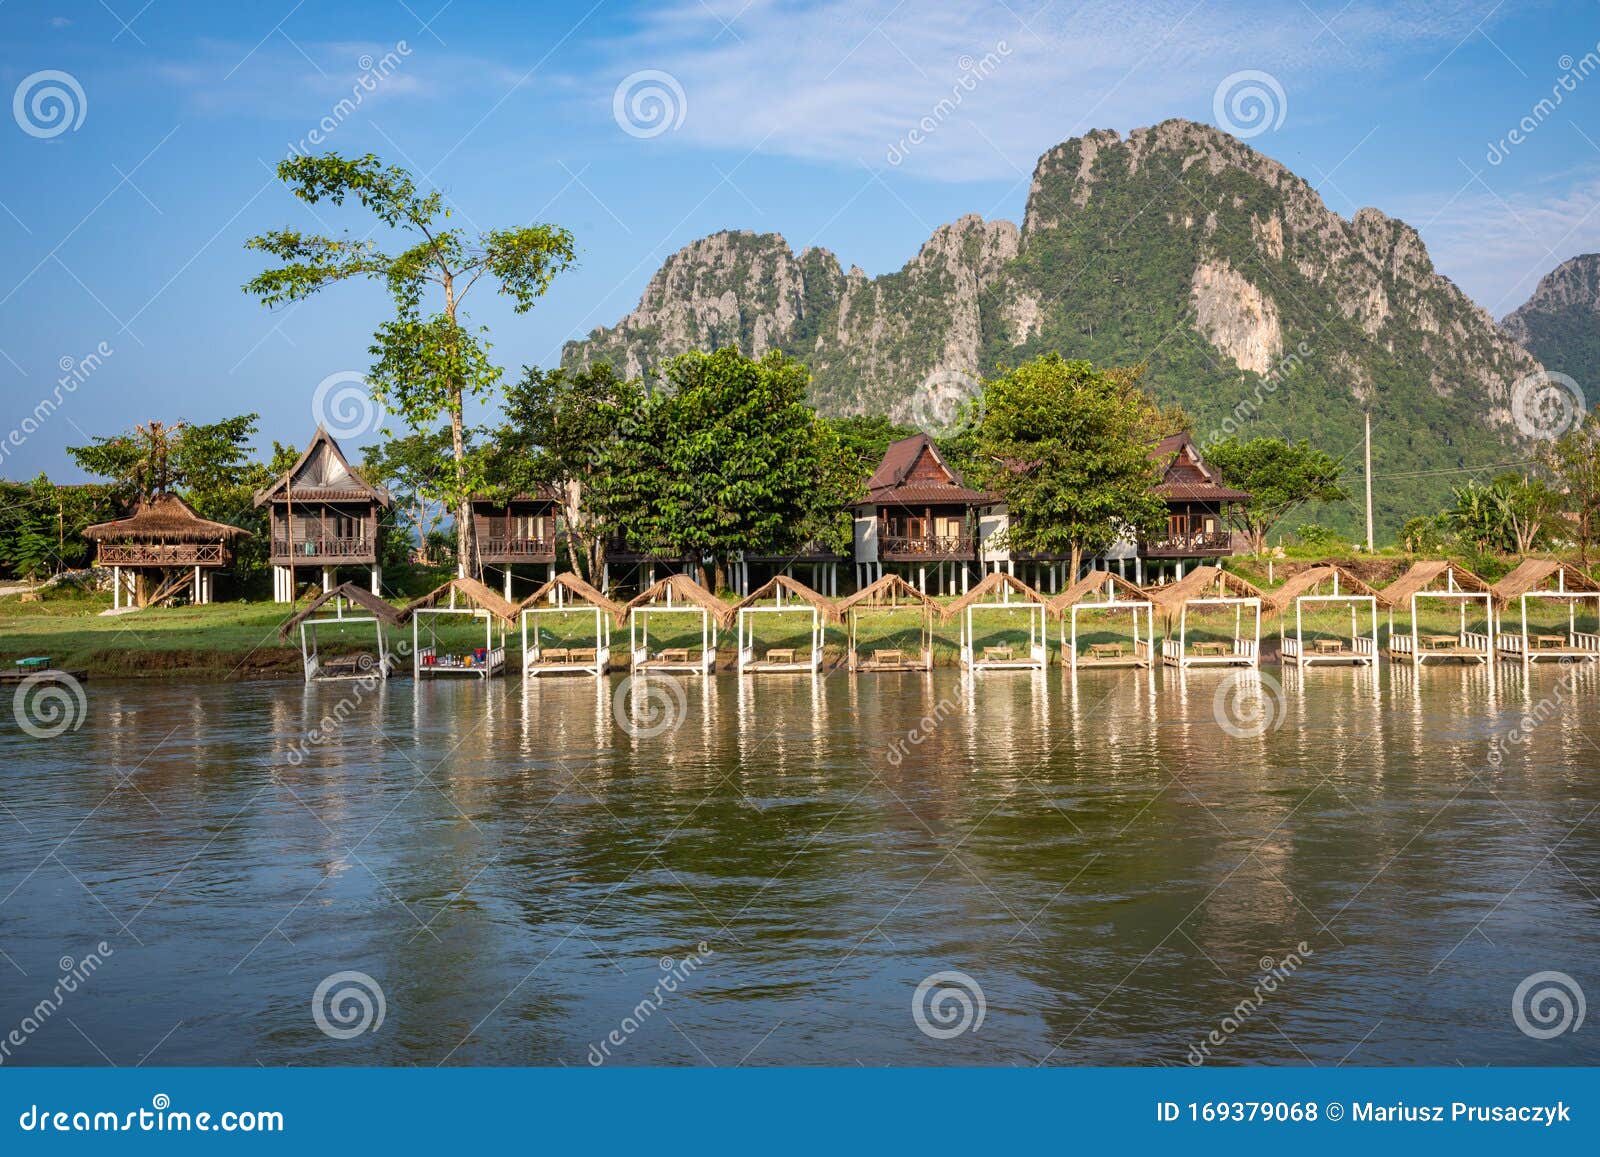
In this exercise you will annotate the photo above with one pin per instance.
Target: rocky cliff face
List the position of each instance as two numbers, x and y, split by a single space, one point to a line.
1179 247
1560 323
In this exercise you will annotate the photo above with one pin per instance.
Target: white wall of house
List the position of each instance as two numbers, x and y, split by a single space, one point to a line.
866 537
992 524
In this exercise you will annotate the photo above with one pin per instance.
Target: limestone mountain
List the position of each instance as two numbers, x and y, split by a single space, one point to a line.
1560 323
1250 303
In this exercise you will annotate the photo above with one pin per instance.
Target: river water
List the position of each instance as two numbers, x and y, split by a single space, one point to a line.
1121 870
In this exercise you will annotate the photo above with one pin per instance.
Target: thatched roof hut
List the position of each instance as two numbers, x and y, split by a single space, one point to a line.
1097 581
675 589
886 593
1424 576
1309 579
567 583
474 592
1203 582
163 518
1542 574
782 588
998 587
384 612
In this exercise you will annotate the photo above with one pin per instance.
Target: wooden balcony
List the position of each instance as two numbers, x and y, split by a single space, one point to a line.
323 551
162 554
1218 544
926 548
500 549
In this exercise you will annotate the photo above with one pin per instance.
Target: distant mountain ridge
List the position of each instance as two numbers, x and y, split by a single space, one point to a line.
1560 323
1249 301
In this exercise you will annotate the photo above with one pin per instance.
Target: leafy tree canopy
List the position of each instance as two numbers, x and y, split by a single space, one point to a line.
1280 477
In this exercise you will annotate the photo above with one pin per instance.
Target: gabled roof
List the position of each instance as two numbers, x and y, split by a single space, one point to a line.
1093 584
677 588
792 588
892 482
537 494
473 592
888 591
1423 575
582 590
1533 574
1298 584
1185 474
166 517
322 474
995 588
1203 582
379 609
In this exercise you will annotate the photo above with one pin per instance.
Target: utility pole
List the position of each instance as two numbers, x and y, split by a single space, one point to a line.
1368 473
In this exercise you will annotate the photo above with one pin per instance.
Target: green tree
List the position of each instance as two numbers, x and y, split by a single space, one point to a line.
415 468
864 438
1071 448
1526 508
1574 461
726 458
427 363
1280 477
207 464
560 426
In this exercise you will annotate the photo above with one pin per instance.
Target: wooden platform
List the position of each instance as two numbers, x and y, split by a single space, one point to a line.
43 675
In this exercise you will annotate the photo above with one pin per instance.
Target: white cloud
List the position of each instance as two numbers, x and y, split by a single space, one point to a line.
844 80
1496 244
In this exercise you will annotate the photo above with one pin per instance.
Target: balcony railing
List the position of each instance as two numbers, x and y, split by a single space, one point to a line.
932 546
162 554
1189 545
534 548
318 548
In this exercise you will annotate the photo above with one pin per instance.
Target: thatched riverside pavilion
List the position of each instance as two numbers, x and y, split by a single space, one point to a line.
1447 583
1001 593
468 597
1210 588
675 595
1101 590
1325 586
782 595
885 596
1546 581
563 596
357 665
163 538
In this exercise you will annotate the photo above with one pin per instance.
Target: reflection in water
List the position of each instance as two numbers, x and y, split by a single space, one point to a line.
1109 856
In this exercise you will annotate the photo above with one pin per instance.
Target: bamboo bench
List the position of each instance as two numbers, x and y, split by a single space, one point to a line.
1105 650
781 655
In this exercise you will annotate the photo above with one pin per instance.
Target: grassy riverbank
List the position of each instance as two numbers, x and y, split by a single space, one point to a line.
239 640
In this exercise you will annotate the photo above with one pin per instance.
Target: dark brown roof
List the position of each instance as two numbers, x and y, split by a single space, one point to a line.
167 518
323 474
893 482
1186 476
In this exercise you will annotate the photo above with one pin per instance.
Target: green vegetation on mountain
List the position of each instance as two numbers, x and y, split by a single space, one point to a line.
1247 301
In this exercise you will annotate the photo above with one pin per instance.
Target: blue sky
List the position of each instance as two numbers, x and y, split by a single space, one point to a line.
122 225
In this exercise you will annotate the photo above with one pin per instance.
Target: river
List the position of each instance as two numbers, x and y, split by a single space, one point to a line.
888 869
